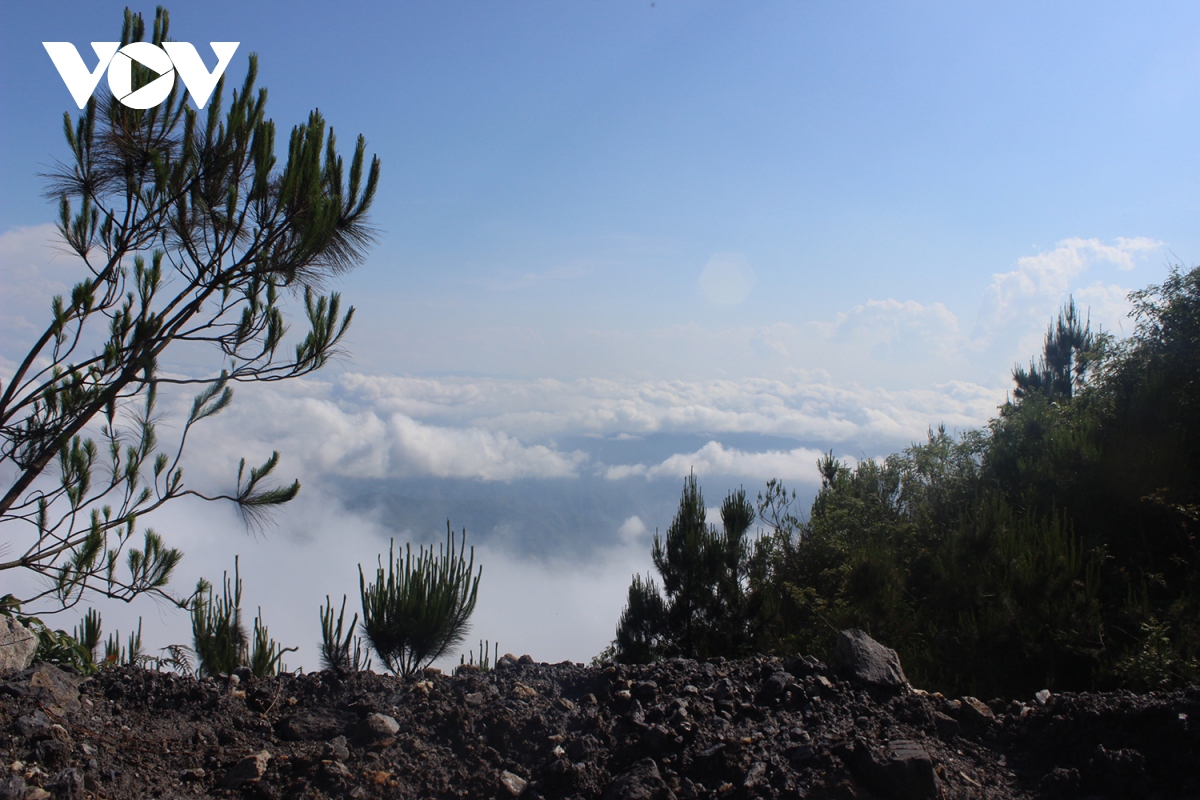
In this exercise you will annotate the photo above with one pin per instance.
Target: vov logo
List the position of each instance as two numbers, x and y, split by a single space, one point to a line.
166 60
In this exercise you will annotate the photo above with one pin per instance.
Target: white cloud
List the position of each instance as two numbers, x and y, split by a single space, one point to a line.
894 330
1034 291
808 407
632 529
320 436
714 459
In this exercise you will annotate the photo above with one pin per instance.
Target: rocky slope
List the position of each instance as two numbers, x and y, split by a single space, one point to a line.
759 727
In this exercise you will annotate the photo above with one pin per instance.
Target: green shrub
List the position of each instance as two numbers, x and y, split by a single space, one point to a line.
341 652
418 609
220 641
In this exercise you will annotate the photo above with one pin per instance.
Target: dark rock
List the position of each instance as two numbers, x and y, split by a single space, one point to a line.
947 727
774 687
249 770
312 726
903 771
643 781
976 711
34 726
12 788
337 748
377 726
866 660
67 785
56 689
756 775
645 691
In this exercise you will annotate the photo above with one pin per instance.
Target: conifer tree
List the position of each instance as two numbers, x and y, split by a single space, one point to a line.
703 569
1066 357
191 234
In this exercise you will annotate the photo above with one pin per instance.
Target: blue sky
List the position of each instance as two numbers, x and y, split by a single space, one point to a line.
622 240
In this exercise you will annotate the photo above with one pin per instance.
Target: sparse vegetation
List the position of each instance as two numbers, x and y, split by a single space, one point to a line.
341 652
219 637
418 609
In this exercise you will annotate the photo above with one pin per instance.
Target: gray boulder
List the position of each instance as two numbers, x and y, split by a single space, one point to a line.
866 660
17 645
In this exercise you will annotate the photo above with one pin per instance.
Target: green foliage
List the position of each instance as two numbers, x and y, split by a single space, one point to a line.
266 656
341 652
705 572
419 609
488 653
130 653
1067 355
190 231
219 637
642 629
1056 548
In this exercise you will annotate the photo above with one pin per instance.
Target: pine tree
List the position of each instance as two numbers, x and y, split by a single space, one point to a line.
1065 360
190 235
706 610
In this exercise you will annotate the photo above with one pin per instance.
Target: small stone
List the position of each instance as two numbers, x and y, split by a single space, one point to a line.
336 770
248 770
642 781
774 687
13 788
194 774
521 690
515 784
645 691
474 699
337 748
36 793
506 661
66 785
379 726
525 660
623 694
466 669
34 726
977 711
431 672
756 775
1042 697
947 726
312 726
825 682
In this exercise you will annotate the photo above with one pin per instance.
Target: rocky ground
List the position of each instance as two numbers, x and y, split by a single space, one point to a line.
760 727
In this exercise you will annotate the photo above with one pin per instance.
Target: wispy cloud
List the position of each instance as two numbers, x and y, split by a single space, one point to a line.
1034 290
714 459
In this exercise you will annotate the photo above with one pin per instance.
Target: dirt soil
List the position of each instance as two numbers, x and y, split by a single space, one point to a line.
761 727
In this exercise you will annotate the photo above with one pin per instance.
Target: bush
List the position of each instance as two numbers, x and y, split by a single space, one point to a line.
219 637
341 653
419 609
